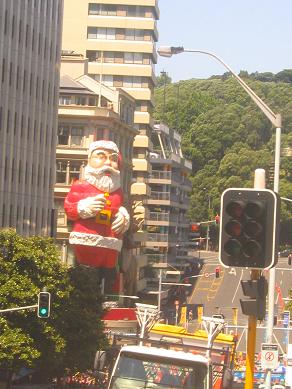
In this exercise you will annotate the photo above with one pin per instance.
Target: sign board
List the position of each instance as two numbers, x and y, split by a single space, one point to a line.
286 319
269 356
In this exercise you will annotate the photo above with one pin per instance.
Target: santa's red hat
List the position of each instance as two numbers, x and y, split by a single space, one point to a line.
107 145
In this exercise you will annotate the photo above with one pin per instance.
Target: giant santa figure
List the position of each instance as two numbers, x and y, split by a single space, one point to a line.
95 207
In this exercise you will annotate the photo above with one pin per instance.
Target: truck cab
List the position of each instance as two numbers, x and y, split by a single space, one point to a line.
150 367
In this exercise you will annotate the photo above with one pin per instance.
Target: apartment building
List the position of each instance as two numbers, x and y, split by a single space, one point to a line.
167 224
30 42
118 39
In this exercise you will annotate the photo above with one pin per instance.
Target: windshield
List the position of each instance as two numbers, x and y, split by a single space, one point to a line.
133 372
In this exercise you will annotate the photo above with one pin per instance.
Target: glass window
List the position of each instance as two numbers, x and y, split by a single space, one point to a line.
80 100
93 9
74 171
63 135
91 32
136 82
109 57
138 57
128 57
61 172
107 80
150 370
128 81
92 55
65 100
130 34
111 33
139 35
101 33
92 101
76 137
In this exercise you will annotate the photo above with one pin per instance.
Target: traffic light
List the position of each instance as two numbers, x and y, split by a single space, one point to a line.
217 272
249 228
44 302
256 290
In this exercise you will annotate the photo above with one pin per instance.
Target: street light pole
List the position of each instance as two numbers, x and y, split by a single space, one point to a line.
275 119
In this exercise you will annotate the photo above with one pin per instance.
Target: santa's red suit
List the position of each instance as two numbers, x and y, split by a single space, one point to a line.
95 244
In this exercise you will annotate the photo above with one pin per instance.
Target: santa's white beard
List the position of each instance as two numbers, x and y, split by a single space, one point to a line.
102 181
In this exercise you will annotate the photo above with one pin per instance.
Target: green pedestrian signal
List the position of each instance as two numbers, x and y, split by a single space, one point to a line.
44 303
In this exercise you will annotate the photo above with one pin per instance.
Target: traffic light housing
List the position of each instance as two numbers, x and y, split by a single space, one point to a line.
257 291
44 305
249 228
217 272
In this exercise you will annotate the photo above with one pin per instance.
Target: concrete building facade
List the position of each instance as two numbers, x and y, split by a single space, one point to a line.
30 45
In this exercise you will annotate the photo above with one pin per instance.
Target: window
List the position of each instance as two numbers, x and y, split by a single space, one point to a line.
80 100
93 55
102 9
70 136
108 80
76 137
101 33
61 169
92 101
65 100
74 171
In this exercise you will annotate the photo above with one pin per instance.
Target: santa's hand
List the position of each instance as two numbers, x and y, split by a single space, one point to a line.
121 222
90 206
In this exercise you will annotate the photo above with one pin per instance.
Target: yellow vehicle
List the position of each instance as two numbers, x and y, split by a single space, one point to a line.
169 357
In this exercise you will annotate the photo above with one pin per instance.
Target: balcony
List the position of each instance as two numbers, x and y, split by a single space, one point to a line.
162 217
140 189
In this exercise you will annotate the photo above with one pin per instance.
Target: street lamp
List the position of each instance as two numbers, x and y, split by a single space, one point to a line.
275 119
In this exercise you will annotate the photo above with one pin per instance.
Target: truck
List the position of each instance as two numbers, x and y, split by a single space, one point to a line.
166 356
288 365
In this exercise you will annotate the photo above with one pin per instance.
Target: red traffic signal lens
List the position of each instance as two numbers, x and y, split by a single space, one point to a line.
233 228
233 247
235 209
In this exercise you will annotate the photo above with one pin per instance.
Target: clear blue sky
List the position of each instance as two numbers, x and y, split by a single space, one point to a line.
252 35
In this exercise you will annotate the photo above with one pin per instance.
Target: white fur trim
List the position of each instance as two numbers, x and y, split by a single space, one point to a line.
126 215
102 144
95 240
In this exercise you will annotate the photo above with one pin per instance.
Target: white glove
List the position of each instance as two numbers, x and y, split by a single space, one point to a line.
90 206
121 222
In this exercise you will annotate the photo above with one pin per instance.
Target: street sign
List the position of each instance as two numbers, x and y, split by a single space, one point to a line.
286 319
269 356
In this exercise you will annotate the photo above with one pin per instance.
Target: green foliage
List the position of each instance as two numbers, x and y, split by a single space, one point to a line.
227 137
70 337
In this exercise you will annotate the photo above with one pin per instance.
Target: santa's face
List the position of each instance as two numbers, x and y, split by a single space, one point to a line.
103 157
102 170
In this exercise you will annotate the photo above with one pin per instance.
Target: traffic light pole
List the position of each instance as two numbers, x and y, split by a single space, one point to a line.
272 271
259 183
18 308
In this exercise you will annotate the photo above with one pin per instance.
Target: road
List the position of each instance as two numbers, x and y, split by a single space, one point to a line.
222 295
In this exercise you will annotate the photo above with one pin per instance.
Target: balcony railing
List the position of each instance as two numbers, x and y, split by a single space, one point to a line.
152 258
163 216
160 195
160 174
156 237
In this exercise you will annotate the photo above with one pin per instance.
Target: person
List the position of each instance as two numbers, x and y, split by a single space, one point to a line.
95 207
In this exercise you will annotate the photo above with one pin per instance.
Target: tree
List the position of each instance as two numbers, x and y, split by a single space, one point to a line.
163 79
69 338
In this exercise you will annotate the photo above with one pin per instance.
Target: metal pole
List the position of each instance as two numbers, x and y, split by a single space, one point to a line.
18 308
272 272
159 289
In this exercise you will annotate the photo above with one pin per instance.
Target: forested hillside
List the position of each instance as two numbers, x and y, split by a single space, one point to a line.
227 136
